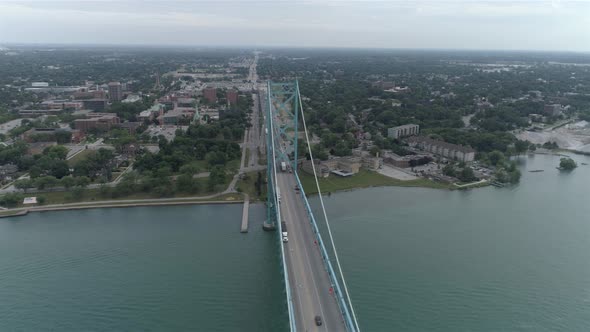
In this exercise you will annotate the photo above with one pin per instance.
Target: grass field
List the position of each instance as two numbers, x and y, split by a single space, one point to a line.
247 185
93 195
247 157
362 179
80 156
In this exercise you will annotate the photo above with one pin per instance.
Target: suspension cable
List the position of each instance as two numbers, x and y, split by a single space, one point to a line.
324 210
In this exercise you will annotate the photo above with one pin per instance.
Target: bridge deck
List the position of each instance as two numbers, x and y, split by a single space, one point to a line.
309 280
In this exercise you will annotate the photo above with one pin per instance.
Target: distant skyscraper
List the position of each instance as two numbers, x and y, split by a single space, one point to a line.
232 97
115 91
210 94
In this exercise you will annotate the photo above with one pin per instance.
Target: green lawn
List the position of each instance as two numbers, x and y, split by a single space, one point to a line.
93 195
247 185
247 158
81 156
362 179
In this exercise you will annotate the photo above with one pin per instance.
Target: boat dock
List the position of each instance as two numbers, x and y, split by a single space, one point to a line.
244 228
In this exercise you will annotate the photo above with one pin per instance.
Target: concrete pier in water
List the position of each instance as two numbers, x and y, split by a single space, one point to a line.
245 214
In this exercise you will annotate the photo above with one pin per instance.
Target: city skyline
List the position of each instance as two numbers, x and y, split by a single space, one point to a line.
486 25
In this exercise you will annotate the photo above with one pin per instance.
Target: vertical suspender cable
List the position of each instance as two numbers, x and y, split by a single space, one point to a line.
324 211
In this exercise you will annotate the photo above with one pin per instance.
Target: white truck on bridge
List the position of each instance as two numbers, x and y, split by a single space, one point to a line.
283 166
284 230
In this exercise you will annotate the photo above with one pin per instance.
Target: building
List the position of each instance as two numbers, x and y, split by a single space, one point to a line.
210 94
130 126
77 136
185 102
444 149
413 160
61 104
321 169
94 94
153 112
385 85
537 118
174 116
33 113
95 104
7 171
232 97
39 134
105 122
553 110
115 92
145 116
343 166
403 131
131 99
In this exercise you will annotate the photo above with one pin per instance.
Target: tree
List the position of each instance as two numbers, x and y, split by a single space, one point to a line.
514 176
184 183
449 170
521 146
67 182
24 184
44 182
217 176
11 199
82 181
59 169
567 164
190 169
466 175
63 136
341 149
56 152
496 158
375 150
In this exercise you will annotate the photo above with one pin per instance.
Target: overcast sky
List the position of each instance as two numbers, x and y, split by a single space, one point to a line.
469 24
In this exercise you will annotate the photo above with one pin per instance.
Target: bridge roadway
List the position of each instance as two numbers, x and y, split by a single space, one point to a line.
308 277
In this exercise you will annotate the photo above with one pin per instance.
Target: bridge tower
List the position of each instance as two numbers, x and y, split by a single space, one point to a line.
282 102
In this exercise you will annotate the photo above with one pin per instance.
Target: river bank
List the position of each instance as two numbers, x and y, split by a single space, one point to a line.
364 179
195 200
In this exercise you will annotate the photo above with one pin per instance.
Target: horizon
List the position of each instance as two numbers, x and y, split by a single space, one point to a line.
279 47
438 25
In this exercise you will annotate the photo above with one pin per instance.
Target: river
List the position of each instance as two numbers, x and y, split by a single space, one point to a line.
489 259
139 269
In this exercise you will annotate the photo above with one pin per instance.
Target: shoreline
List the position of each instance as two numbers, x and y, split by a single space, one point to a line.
16 212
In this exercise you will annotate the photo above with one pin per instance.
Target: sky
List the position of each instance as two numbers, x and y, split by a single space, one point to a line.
430 24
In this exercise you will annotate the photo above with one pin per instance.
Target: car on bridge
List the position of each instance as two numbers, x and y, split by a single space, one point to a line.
318 320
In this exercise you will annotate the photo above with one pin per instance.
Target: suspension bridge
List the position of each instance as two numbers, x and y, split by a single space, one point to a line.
313 279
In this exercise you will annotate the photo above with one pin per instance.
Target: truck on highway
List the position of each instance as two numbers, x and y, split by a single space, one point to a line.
279 194
284 230
283 166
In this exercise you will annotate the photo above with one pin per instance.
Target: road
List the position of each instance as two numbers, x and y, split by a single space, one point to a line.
252 138
310 284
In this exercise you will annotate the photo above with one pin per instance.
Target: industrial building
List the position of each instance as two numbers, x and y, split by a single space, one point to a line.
95 104
403 131
444 149
102 121
552 110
